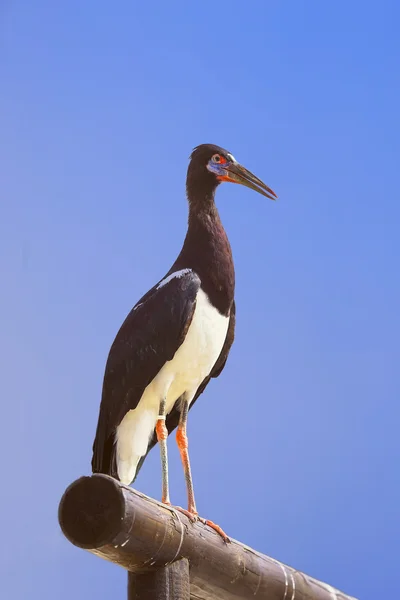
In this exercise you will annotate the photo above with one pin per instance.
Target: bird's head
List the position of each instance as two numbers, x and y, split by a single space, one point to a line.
210 165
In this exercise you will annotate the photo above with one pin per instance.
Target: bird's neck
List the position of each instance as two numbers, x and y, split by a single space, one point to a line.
207 251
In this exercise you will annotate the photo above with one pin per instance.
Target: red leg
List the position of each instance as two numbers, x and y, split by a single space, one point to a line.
182 441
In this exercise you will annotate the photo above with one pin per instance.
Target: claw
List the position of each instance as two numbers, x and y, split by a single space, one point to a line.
216 528
195 517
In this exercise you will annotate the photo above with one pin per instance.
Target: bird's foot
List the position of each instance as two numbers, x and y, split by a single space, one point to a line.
194 516
216 528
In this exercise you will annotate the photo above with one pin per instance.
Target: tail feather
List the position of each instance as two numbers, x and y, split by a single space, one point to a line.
104 458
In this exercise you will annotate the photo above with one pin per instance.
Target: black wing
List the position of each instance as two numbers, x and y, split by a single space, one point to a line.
173 417
148 338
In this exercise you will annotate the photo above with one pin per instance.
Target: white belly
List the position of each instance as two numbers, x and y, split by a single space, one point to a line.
190 365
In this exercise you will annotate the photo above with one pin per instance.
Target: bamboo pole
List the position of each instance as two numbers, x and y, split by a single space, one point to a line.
146 537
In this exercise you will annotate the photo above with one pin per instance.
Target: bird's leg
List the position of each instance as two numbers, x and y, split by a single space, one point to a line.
182 441
162 435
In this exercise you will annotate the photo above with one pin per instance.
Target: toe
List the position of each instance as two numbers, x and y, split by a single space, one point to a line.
216 528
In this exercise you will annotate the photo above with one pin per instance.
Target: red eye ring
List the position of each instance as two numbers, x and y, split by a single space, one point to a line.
217 158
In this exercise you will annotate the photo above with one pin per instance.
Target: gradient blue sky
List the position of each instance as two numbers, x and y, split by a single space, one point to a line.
295 449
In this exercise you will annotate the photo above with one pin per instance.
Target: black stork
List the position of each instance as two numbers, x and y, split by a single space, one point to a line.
175 339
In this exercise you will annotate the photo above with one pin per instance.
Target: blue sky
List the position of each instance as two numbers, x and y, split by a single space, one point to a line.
295 448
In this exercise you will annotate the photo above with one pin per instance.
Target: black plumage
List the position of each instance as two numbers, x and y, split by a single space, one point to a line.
157 326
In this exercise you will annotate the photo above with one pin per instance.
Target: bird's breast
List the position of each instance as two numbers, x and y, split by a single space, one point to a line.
198 353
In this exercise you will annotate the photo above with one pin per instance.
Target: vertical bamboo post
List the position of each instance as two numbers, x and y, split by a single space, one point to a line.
165 583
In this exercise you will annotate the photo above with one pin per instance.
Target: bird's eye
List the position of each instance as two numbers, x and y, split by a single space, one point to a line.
216 158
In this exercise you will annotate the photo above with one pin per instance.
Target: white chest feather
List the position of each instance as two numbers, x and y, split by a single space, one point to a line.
197 355
190 365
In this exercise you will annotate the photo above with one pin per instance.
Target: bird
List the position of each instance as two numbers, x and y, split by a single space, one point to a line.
175 339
